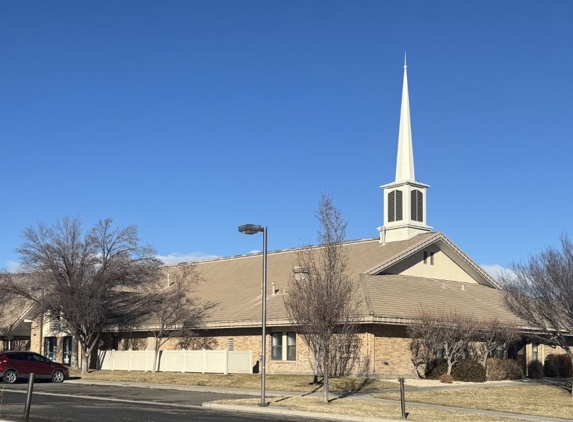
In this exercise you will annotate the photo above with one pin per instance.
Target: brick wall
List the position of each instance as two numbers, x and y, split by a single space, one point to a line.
392 356
384 349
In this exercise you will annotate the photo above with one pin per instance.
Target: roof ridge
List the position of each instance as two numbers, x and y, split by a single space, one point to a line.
366 292
274 252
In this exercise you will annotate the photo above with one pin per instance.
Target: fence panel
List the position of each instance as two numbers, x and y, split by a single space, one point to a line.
204 361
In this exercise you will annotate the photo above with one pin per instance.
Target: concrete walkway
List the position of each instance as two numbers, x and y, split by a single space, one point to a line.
330 416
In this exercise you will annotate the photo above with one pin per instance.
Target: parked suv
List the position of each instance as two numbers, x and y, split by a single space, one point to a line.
14 365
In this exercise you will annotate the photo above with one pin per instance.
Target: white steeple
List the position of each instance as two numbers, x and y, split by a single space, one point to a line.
405 198
405 160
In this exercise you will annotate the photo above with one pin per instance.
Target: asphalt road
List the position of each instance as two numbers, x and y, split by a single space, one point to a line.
87 403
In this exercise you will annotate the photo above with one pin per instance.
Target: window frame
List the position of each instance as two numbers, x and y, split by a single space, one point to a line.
291 348
277 349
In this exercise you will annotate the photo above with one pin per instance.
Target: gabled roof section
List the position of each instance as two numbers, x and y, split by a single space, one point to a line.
234 283
397 299
13 314
423 241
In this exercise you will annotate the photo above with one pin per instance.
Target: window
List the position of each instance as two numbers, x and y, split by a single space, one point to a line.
278 352
499 352
395 205
50 347
417 205
277 346
67 346
291 346
425 257
431 258
34 357
534 352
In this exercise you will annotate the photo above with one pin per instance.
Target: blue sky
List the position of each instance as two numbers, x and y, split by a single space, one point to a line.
188 118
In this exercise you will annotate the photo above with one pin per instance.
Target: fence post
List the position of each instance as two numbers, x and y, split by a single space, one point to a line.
226 362
402 397
29 398
204 360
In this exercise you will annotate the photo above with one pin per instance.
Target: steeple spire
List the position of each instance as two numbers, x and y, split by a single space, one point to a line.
405 198
405 159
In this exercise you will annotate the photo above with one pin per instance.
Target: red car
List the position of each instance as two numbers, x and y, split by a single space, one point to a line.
14 365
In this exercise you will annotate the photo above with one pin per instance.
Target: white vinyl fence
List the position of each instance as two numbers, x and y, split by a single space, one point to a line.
213 361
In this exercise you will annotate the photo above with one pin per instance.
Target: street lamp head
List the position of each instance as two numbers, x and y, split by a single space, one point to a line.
250 228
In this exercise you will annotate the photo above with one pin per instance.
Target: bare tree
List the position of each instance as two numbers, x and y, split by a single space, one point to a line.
540 292
492 334
321 303
442 332
90 281
172 309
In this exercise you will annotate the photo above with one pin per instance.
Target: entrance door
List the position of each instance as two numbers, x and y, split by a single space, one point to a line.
50 347
67 346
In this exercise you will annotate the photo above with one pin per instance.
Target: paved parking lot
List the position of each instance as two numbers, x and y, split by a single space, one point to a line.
69 402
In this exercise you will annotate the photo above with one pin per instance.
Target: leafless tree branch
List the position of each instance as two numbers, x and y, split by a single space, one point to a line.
322 302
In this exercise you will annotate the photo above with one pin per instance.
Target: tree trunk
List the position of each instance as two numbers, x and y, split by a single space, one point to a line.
85 360
325 377
156 356
450 365
484 363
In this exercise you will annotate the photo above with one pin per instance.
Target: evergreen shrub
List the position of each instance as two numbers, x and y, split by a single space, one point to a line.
558 366
535 370
468 370
435 369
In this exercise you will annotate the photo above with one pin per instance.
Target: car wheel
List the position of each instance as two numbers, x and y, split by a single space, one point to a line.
58 376
10 377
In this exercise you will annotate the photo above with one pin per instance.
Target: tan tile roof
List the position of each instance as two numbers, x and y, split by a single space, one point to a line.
234 284
400 297
13 313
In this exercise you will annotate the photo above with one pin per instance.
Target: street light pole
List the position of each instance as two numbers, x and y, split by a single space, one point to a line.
252 229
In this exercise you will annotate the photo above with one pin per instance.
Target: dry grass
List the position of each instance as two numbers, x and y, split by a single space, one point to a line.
533 399
367 408
295 383
529 399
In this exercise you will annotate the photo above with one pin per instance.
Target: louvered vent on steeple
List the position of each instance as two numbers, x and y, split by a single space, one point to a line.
395 205
417 205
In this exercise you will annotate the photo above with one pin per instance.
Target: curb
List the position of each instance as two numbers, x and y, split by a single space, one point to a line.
288 412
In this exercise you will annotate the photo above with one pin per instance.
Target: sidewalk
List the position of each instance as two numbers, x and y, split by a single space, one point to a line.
318 415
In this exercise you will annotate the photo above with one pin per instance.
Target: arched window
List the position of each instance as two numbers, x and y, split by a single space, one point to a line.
395 205
417 205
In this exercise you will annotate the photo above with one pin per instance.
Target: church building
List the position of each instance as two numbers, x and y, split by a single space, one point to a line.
407 267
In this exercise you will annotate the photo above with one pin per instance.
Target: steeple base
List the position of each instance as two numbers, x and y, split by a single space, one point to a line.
401 232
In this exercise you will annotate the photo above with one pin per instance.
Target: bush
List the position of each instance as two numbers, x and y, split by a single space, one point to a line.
558 366
535 370
446 379
550 367
468 370
435 369
514 369
565 366
503 369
